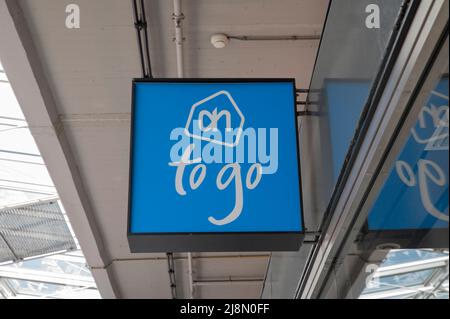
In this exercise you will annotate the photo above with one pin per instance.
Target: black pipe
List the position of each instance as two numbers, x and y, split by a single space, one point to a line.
147 49
138 34
140 23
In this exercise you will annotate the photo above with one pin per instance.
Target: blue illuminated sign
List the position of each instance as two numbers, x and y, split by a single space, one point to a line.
214 157
415 195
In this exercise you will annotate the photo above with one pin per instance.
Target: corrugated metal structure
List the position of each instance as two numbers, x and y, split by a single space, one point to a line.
33 229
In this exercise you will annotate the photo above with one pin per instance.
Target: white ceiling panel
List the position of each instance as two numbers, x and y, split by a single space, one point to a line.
139 279
253 267
231 291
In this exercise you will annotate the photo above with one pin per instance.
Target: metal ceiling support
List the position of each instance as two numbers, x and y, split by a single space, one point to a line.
22 162
20 153
11 118
439 286
436 281
5 290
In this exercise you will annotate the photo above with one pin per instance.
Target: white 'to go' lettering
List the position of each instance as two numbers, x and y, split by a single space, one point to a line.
198 175
195 184
405 173
427 170
239 202
440 180
248 182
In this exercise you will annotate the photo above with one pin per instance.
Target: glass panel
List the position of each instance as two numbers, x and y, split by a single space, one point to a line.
35 229
348 61
411 211
64 264
410 255
23 288
339 87
56 276
403 280
23 175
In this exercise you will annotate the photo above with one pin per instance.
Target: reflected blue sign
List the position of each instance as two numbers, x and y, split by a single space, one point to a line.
345 101
415 195
214 157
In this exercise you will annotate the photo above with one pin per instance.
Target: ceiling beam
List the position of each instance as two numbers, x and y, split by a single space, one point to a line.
28 80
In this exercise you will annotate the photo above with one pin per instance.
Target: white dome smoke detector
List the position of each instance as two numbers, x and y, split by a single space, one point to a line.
219 40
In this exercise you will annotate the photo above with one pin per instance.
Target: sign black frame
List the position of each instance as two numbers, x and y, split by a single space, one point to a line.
214 241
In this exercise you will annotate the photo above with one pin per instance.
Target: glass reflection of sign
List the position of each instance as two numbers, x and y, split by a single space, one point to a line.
214 166
412 207
415 196
345 101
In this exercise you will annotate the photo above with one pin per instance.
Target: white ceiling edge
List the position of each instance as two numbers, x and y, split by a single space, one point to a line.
25 74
